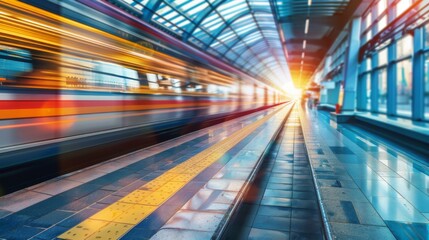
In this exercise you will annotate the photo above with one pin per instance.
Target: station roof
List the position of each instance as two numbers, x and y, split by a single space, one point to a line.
252 35
310 27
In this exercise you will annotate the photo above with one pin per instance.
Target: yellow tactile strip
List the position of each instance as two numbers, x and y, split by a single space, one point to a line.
118 218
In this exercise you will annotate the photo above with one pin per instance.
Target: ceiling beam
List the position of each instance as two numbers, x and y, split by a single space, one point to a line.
315 20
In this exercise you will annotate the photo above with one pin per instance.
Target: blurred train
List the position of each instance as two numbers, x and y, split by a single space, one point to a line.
75 81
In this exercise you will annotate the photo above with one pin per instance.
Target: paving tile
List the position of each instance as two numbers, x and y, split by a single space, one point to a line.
51 233
138 233
341 211
84 202
303 213
307 204
410 193
20 200
342 194
272 223
50 219
396 209
86 175
407 230
277 193
57 187
306 226
306 236
281 180
224 184
4 213
308 195
275 211
192 220
279 186
14 221
181 234
24 232
77 218
264 234
272 201
348 231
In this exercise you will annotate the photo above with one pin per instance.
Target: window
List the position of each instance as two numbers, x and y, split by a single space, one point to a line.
404 46
382 23
427 36
382 90
426 87
367 79
368 64
381 6
368 21
404 87
382 57
402 5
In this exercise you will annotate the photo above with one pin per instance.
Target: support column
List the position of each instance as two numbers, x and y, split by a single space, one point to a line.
361 94
351 65
391 80
418 82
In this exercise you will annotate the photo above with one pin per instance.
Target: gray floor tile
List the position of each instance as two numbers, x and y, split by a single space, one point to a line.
272 223
348 231
264 234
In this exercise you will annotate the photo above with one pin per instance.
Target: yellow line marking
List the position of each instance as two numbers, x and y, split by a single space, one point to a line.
118 218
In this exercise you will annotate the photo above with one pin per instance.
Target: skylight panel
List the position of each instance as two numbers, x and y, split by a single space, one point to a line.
191 4
245 28
171 15
216 26
197 9
183 23
235 9
227 36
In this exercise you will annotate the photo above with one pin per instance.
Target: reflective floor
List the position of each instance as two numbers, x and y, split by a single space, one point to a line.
182 188
366 187
367 182
282 202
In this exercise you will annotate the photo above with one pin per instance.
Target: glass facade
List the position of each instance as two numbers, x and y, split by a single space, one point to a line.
382 57
382 90
404 87
389 77
367 79
426 87
404 47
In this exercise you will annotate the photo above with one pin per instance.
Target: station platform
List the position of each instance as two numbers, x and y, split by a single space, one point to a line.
282 173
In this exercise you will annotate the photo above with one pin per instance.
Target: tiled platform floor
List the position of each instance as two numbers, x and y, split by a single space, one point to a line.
49 209
370 187
282 202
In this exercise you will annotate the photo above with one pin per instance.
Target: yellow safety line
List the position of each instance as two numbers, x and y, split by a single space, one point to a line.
115 220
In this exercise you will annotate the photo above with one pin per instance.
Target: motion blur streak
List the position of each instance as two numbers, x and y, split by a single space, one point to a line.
78 86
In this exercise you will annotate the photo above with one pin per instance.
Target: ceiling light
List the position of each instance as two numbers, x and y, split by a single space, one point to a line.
303 55
304 44
302 62
307 22
309 2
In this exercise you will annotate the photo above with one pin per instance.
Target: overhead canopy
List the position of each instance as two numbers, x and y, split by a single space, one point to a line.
310 27
241 32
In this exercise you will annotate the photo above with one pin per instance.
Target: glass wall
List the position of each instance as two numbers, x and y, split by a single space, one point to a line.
404 87
393 62
367 79
426 73
382 90
404 46
426 87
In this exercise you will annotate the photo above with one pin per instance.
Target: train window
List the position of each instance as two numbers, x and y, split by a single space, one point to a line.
152 80
14 62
